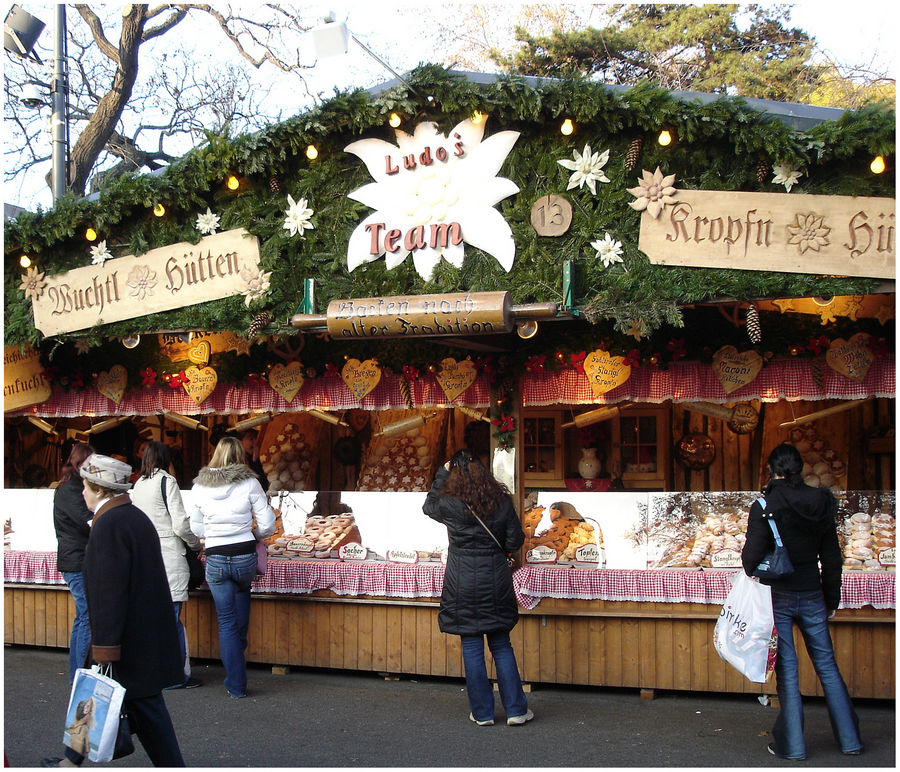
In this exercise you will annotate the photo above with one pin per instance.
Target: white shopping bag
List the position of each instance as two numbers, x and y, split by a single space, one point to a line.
92 720
745 635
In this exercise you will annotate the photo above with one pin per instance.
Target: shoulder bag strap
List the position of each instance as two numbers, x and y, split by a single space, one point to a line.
770 518
490 532
162 489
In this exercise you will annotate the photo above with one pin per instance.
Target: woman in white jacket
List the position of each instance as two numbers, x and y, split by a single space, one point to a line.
225 499
157 495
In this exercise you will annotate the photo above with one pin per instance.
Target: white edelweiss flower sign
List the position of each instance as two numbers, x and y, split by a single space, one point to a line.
431 195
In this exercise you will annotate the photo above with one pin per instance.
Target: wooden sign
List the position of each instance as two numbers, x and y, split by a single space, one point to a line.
789 232
23 378
605 372
159 280
467 313
361 377
551 215
735 369
455 377
112 384
201 383
286 380
176 347
851 358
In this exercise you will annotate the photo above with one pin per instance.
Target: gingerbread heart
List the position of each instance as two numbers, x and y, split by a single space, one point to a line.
112 384
361 377
605 372
851 358
734 368
286 380
201 383
455 377
199 354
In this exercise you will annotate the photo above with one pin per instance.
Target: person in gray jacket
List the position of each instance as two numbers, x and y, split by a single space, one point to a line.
156 493
225 499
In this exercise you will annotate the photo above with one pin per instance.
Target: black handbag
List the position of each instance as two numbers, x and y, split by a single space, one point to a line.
124 744
196 570
777 563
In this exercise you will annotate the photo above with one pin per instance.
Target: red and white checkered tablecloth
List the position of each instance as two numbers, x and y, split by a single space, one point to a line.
30 567
876 589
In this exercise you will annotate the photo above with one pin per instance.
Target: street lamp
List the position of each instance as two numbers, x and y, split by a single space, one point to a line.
20 32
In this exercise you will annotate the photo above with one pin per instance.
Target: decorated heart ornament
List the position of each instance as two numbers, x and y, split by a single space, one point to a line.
199 354
286 380
361 377
734 368
605 372
851 358
112 384
455 377
201 382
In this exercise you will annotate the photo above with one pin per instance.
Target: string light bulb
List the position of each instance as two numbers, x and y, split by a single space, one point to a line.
232 183
159 210
312 152
877 165
478 117
25 261
567 127
394 121
90 234
665 138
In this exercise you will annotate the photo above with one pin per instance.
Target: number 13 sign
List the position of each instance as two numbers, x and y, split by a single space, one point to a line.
551 215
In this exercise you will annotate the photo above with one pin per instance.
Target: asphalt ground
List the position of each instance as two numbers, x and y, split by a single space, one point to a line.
322 718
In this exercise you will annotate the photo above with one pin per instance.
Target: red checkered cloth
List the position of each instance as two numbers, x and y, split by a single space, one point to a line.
782 379
329 393
30 568
392 580
532 583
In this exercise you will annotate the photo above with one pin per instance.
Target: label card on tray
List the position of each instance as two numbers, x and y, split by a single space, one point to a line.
403 556
353 551
587 553
725 559
888 557
541 554
301 544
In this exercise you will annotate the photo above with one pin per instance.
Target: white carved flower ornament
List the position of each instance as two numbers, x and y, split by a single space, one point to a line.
653 192
33 283
609 250
208 222
257 283
785 175
431 195
297 216
587 169
100 254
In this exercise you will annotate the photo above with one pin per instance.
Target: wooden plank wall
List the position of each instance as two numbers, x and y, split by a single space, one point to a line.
596 643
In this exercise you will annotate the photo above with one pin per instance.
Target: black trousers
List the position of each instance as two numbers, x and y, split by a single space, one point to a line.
150 721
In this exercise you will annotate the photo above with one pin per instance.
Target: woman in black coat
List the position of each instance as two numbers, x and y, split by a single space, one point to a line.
71 519
477 599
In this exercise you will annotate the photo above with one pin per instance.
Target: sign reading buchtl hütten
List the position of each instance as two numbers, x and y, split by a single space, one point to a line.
794 233
162 279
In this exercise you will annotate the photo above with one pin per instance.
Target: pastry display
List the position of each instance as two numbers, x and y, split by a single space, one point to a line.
867 530
567 533
821 464
288 452
321 536
402 462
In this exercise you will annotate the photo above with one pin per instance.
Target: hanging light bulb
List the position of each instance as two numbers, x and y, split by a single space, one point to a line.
665 138
567 127
25 261
478 117
159 210
395 120
90 234
877 165
232 183
312 152
131 341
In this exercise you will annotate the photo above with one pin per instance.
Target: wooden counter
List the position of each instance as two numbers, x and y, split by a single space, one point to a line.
597 643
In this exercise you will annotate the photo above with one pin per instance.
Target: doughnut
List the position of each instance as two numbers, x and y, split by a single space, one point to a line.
275 549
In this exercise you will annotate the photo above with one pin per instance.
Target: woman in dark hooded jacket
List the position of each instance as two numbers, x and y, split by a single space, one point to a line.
477 598
805 519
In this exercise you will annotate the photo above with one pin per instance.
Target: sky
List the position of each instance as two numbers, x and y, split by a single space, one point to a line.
863 37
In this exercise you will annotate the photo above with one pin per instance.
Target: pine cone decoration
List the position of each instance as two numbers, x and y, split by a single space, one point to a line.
274 185
405 392
762 170
633 153
754 330
258 324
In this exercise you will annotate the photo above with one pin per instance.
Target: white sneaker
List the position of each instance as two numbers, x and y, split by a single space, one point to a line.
481 723
519 720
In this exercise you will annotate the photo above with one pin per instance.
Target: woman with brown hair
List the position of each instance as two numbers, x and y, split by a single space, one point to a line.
71 520
477 600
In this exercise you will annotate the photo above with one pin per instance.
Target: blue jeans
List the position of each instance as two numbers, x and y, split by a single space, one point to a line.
478 687
80 639
808 610
229 580
182 640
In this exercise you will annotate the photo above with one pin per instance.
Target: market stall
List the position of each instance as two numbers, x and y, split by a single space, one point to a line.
625 365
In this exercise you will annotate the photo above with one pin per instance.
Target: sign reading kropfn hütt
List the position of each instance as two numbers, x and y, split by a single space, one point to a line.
160 280
794 233
23 378
466 313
